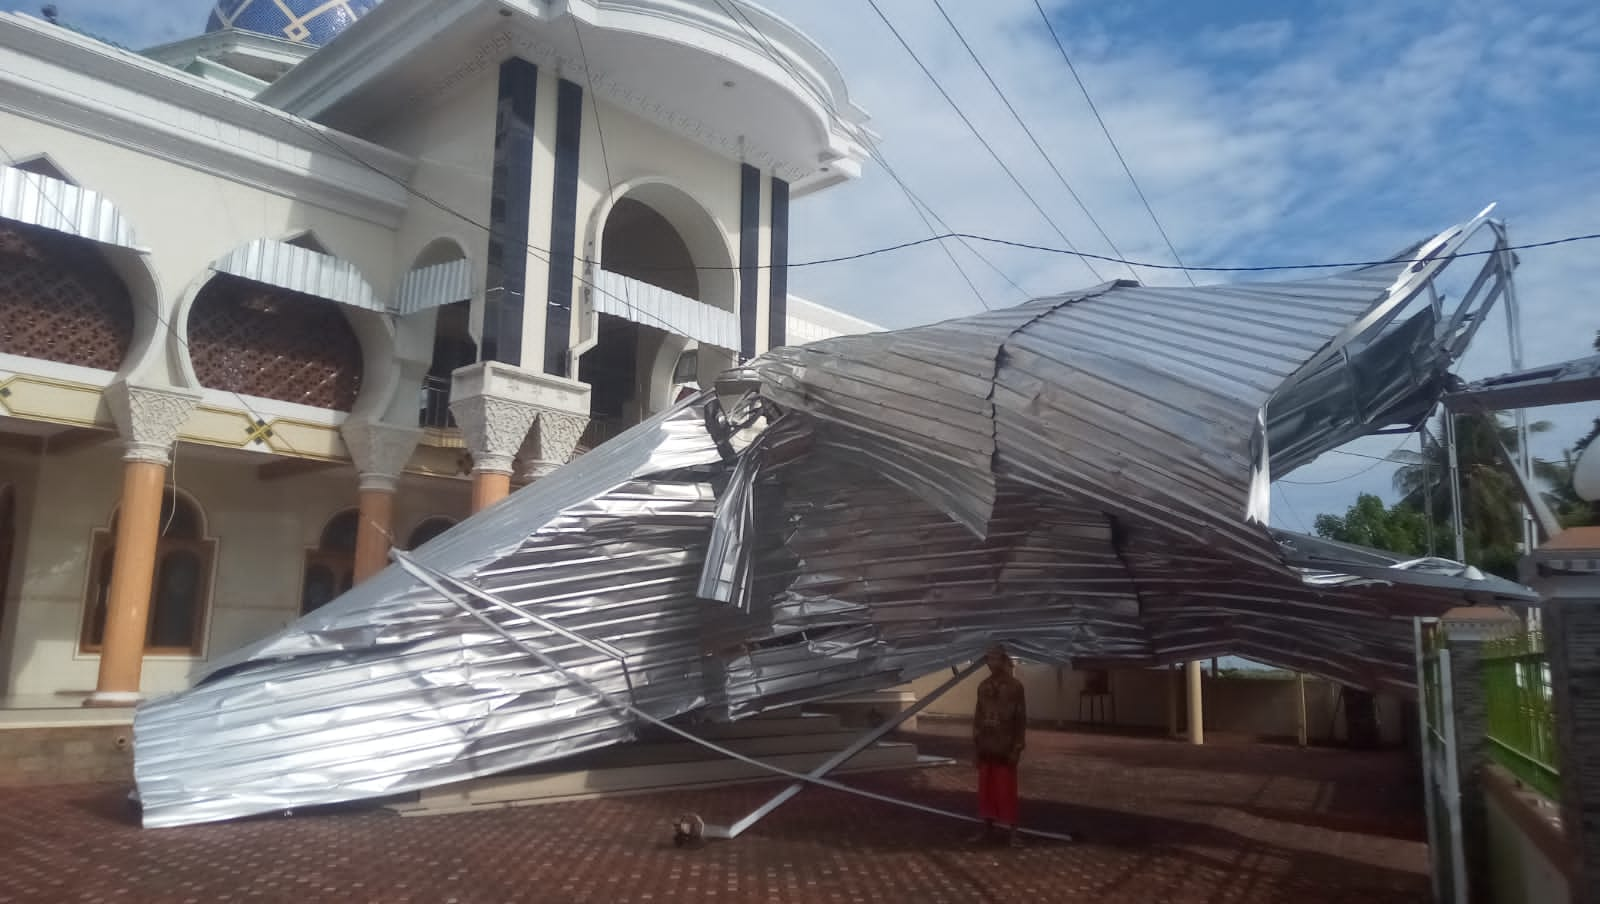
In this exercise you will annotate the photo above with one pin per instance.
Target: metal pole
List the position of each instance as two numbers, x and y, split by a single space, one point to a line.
1061 697
1172 700
1456 521
1508 264
433 580
1302 733
1427 489
1426 741
838 759
1197 721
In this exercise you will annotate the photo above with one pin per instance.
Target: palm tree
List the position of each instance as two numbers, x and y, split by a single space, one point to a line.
1594 432
1489 494
1562 498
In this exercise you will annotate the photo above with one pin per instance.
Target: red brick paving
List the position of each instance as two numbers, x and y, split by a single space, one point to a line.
1160 822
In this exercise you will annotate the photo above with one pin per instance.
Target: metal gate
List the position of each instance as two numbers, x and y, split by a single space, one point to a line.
1441 780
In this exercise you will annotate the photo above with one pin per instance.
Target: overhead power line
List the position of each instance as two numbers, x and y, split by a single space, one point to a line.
918 205
979 135
1061 46
1037 145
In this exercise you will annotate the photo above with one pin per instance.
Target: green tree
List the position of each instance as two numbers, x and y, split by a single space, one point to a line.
1396 529
1490 500
1562 498
1594 431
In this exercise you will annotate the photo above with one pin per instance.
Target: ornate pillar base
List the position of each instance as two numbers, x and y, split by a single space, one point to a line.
149 420
497 405
380 452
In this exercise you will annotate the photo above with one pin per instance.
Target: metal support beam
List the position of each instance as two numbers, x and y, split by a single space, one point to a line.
839 759
1302 732
1456 522
435 581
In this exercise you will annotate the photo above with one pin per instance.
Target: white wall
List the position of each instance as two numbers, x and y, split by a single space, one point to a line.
1262 707
262 528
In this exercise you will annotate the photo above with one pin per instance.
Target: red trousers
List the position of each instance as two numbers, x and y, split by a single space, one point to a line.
997 792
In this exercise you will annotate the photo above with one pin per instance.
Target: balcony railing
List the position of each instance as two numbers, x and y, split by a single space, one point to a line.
435 404
602 430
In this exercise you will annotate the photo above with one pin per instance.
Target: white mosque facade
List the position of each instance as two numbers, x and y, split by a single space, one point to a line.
333 275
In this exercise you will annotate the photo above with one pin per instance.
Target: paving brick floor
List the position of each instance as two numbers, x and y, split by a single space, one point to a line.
1160 822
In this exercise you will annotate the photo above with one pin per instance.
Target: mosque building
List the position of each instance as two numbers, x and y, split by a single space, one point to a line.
335 274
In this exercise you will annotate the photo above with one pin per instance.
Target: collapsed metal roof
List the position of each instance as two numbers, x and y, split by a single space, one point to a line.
1084 477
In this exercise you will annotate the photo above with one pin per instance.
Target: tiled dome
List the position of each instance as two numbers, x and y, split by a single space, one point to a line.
314 22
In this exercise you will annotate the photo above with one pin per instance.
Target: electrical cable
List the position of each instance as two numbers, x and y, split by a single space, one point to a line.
1364 471
165 325
1037 145
1061 46
979 135
752 31
950 234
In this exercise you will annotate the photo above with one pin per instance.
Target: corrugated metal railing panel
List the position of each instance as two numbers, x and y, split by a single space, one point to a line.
653 306
302 270
1072 477
50 203
432 287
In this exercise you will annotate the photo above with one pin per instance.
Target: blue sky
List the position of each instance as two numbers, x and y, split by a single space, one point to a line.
1262 132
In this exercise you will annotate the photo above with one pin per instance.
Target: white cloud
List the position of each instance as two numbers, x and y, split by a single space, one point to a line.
1342 134
1263 37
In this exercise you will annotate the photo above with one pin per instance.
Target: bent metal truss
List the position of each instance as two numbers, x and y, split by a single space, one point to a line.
1084 478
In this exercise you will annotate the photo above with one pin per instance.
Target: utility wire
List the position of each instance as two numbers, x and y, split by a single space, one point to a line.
979 135
163 323
1361 473
918 205
1060 177
1061 46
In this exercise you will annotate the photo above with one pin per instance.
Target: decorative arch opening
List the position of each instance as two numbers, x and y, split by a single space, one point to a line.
454 345
263 341
61 300
331 566
660 236
427 530
180 597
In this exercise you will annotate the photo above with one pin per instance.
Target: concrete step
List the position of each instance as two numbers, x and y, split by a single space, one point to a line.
569 784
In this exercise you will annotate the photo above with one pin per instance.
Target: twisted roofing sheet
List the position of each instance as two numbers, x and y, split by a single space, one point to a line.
1081 477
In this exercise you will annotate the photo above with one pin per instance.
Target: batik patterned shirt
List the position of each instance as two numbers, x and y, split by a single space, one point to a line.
1000 721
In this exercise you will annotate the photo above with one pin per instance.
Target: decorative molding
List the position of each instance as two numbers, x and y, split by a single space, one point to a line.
505 44
380 451
120 98
497 405
494 429
551 445
149 418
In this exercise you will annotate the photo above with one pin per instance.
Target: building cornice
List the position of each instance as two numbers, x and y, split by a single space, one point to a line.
399 31
72 82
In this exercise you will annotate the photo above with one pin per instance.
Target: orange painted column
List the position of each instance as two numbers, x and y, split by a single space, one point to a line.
132 578
489 487
374 533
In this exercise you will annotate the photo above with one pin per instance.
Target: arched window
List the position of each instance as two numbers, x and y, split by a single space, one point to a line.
331 567
427 530
60 300
180 592
274 344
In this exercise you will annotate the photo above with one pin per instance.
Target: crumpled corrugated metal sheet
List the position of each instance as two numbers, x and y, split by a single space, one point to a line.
1079 477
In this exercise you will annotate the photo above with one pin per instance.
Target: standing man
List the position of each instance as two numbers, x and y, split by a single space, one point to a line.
999 732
